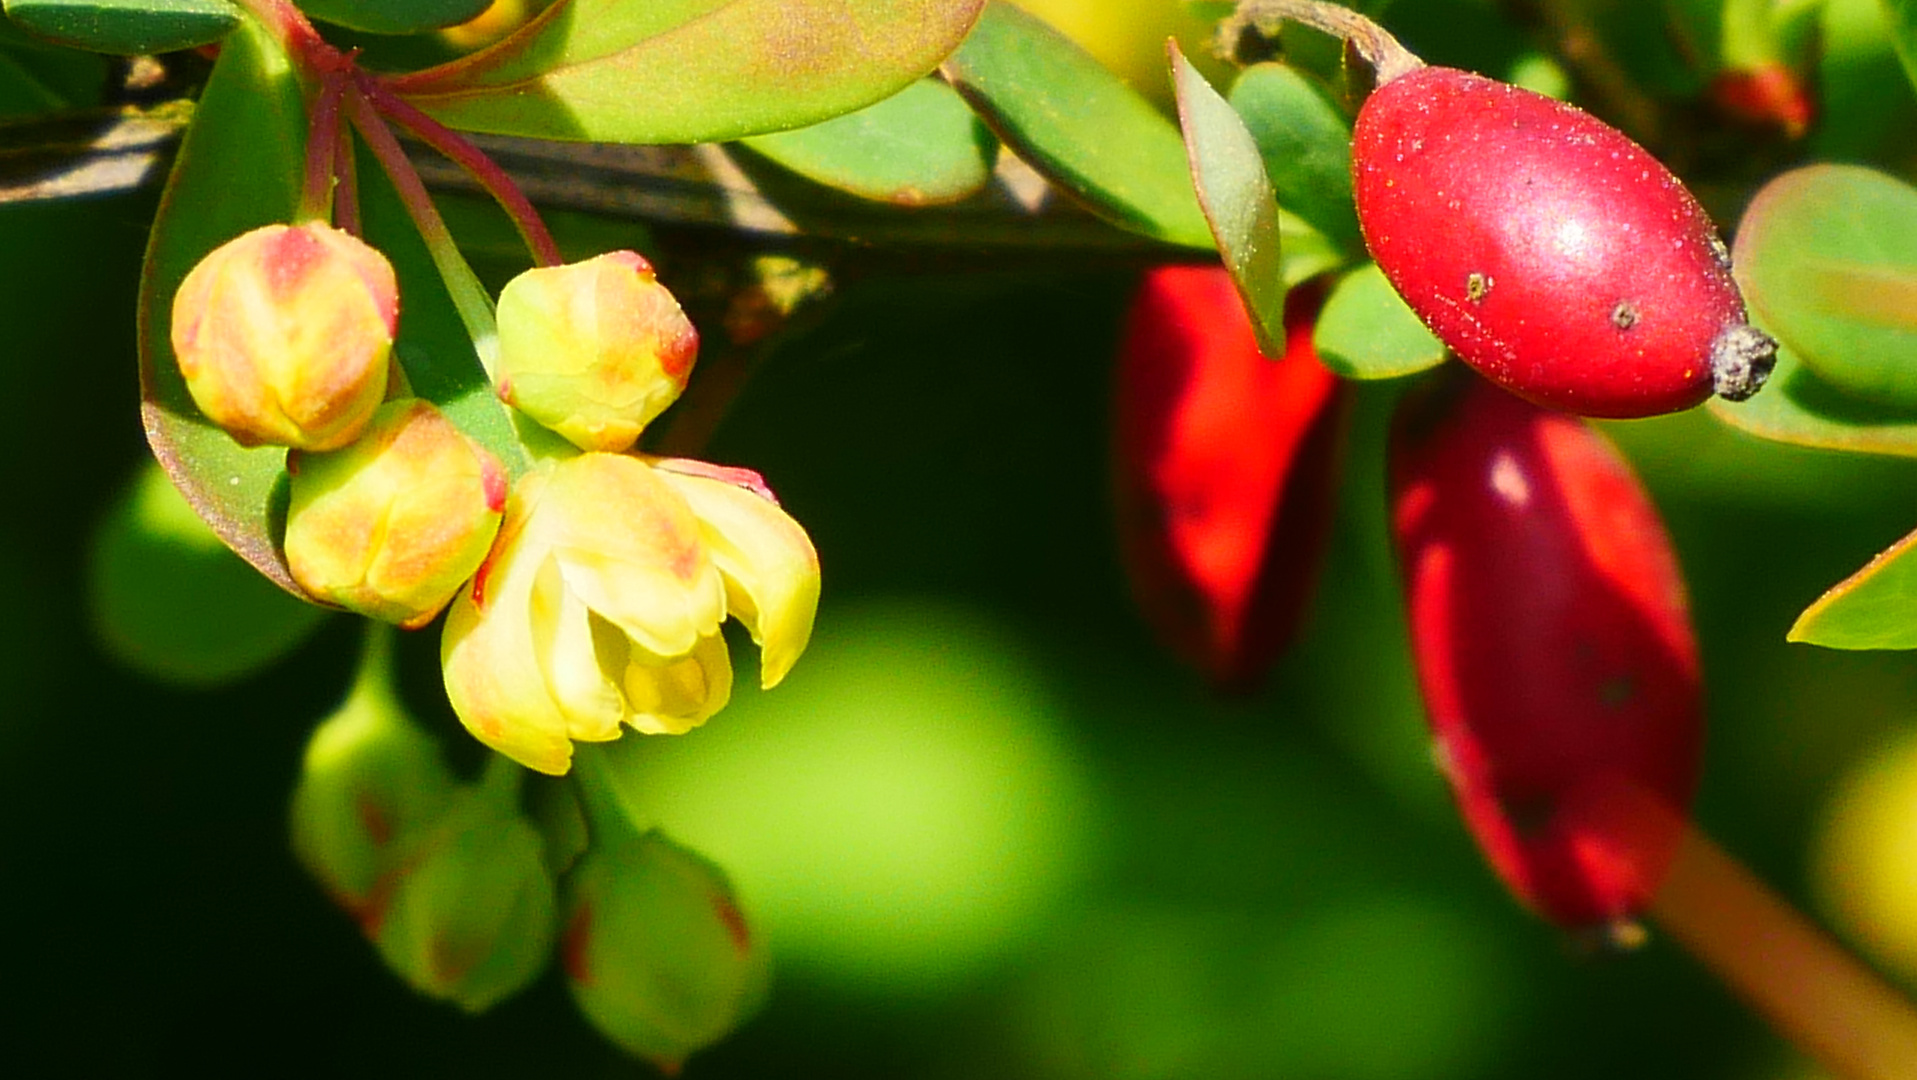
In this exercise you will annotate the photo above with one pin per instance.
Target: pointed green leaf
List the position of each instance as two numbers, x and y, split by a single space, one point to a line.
394 16
684 71
1306 144
1903 33
1079 125
432 345
919 147
238 169
1799 408
1827 258
1367 332
1875 608
1237 198
126 27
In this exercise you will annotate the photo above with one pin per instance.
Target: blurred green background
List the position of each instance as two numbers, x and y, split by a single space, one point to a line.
989 828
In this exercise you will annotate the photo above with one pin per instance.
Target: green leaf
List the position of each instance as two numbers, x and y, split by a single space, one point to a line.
394 16
1237 199
1875 608
1902 15
1827 258
919 147
1306 144
432 344
126 27
1797 407
685 71
1079 125
238 168
1367 332
170 600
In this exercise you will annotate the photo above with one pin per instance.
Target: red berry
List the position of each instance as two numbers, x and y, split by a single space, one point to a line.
1549 251
1225 467
1553 648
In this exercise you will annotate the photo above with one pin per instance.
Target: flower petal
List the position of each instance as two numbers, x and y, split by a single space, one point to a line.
770 568
493 677
630 548
679 695
563 641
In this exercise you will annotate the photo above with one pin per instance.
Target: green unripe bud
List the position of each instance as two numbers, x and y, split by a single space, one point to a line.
393 524
593 350
471 918
656 951
371 784
284 333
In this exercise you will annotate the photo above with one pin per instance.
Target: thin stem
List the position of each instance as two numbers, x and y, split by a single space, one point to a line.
594 779
1809 988
289 26
346 183
532 228
1387 58
469 297
374 675
322 151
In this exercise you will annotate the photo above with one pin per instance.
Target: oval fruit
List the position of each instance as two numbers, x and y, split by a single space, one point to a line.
1553 646
1225 469
1548 250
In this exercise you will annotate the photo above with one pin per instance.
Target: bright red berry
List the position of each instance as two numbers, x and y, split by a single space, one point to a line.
1553 648
1548 250
1225 467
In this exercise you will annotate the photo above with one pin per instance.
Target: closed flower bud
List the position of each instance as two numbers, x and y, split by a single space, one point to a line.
593 350
392 525
370 784
284 334
470 918
600 604
655 948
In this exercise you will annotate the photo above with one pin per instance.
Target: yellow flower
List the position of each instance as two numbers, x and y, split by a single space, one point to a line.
600 604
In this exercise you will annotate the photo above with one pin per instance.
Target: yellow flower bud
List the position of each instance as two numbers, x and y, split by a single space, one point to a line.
593 350
392 525
283 335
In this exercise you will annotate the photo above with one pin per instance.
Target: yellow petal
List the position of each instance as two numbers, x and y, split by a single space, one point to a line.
630 548
770 568
563 641
677 696
493 676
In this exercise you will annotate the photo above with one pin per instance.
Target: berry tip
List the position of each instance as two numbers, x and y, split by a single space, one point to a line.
1741 361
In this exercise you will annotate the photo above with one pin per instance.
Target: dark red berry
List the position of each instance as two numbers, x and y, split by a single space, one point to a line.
1225 469
1553 648
1549 251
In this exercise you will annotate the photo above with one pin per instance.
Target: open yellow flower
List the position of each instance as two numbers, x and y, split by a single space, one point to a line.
600 604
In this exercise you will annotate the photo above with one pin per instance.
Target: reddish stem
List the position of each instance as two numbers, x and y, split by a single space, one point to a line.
346 183
322 150
1810 989
532 228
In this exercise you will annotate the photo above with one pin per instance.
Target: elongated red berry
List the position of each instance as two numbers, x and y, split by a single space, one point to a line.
1553 648
1225 469
1548 250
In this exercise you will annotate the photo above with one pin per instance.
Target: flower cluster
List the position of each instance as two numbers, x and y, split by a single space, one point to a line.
587 593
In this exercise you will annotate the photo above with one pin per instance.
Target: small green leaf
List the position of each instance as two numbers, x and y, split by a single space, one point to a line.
432 345
1306 144
1902 15
1237 199
919 147
170 600
686 71
1797 407
1875 608
126 27
1367 332
1827 258
394 16
1079 125
238 168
